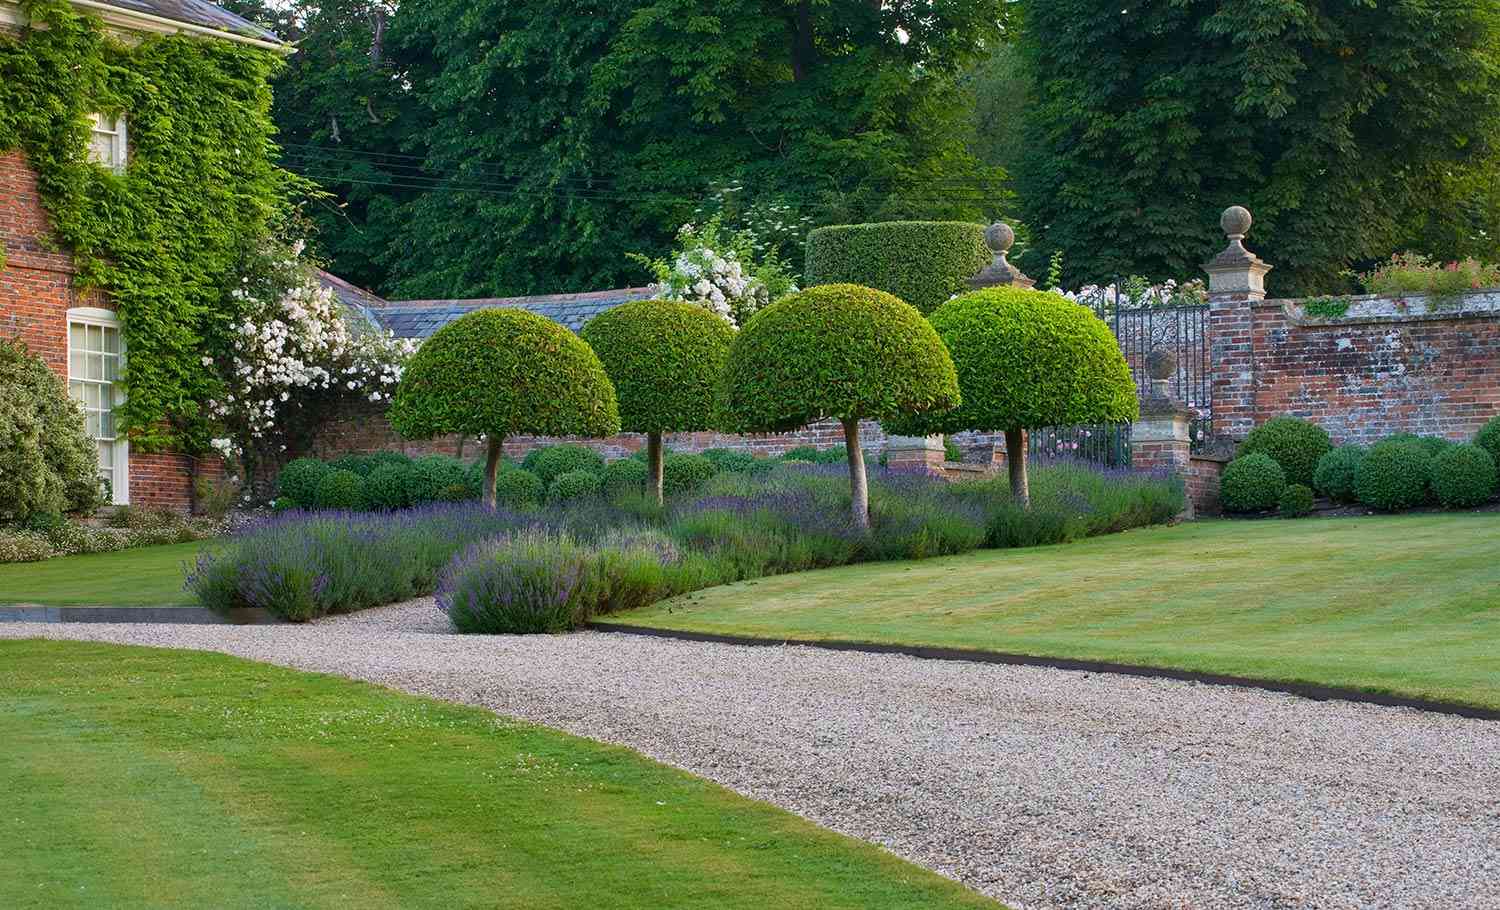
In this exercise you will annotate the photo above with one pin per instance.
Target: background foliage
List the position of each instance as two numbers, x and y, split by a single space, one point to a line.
163 238
1351 130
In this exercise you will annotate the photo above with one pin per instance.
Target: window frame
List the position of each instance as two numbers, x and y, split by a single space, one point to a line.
119 477
119 149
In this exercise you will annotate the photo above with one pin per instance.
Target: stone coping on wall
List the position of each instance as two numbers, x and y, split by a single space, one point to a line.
1375 308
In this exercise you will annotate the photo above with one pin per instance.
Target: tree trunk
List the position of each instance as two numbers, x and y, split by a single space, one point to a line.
1015 459
491 467
859 487
459 449
654 467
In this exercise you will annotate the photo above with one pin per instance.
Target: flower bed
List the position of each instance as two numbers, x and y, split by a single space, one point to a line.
45 536
542 570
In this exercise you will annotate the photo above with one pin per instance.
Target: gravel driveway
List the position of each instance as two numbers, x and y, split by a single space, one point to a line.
1043 788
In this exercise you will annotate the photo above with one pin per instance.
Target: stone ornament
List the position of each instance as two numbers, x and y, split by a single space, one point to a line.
999 237
1236 270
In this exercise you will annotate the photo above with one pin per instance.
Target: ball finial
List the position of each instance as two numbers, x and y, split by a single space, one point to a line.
1236 221
999 237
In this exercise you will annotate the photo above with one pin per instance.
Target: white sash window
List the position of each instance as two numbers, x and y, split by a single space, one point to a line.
107 142
96 361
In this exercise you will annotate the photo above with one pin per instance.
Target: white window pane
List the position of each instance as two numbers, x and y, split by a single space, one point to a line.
106 456
91 397
91 425
75 335
95 366
107 425
112 341
111 368
76 363
95 338
75 391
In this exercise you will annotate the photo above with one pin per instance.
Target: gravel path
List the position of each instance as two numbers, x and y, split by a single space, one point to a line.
1043 788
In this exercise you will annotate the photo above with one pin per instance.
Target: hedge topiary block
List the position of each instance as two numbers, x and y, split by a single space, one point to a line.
340 490
1335 474
1296 444
684 473
518 487
624 475
1296 501
922 262
559 460
574 485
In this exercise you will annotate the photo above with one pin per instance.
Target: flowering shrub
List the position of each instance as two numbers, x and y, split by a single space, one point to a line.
1137 293
294 353
66 538
1413 273
721 271
769 225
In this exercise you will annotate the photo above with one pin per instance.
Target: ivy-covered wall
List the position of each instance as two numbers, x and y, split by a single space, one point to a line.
162 239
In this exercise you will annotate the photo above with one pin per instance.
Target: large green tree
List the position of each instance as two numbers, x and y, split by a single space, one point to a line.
1340 123
548 138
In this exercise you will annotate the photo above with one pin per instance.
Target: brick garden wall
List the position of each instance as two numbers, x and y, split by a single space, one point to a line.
1391 366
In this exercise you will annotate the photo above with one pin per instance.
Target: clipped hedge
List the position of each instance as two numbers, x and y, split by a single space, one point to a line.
431 476
684 473
1335 474
1394 475
1251 483
732 460
299 479
574 485
340 489
387 487
1488 438
626 475
518 487
1464 476
1296 444
555 461
922 262
1296 501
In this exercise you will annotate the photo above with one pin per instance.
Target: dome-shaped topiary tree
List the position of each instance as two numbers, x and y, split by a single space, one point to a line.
665 359
1027 359
500 372
841 351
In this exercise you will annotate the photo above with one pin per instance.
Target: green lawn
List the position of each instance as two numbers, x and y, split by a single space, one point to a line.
140 577
140 777
1408 605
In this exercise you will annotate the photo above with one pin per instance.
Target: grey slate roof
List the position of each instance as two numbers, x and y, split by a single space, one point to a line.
197 12
420 318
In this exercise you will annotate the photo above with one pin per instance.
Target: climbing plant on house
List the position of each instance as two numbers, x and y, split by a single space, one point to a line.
162 238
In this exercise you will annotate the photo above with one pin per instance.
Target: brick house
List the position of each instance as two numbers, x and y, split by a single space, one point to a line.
76 332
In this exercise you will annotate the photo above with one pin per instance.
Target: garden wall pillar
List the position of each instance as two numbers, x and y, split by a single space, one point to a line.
1236 282
1161 439
915 454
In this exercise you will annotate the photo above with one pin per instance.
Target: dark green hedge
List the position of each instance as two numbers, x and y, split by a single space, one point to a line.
1296 445
1028 359
1395 475
664 359
922 262
554 461
503 372
1251 483
1464 476
1337 471
837 350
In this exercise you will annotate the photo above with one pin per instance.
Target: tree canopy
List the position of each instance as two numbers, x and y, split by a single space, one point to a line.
1349 130
522 146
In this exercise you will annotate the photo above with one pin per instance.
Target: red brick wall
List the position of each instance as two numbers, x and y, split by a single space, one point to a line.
1364 380
36 292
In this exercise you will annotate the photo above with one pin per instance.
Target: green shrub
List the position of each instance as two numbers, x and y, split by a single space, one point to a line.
357 462
802 453
1251 483
1335 474
430 475
574 485
922 262
48 462
951 451
1394 475
340 489
298 481
735 460
455 492
530 459
1294 443
624 475
684 473
518 487
383 458
1464 476
1488 438
388 487
1296 501
564 459
503 372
